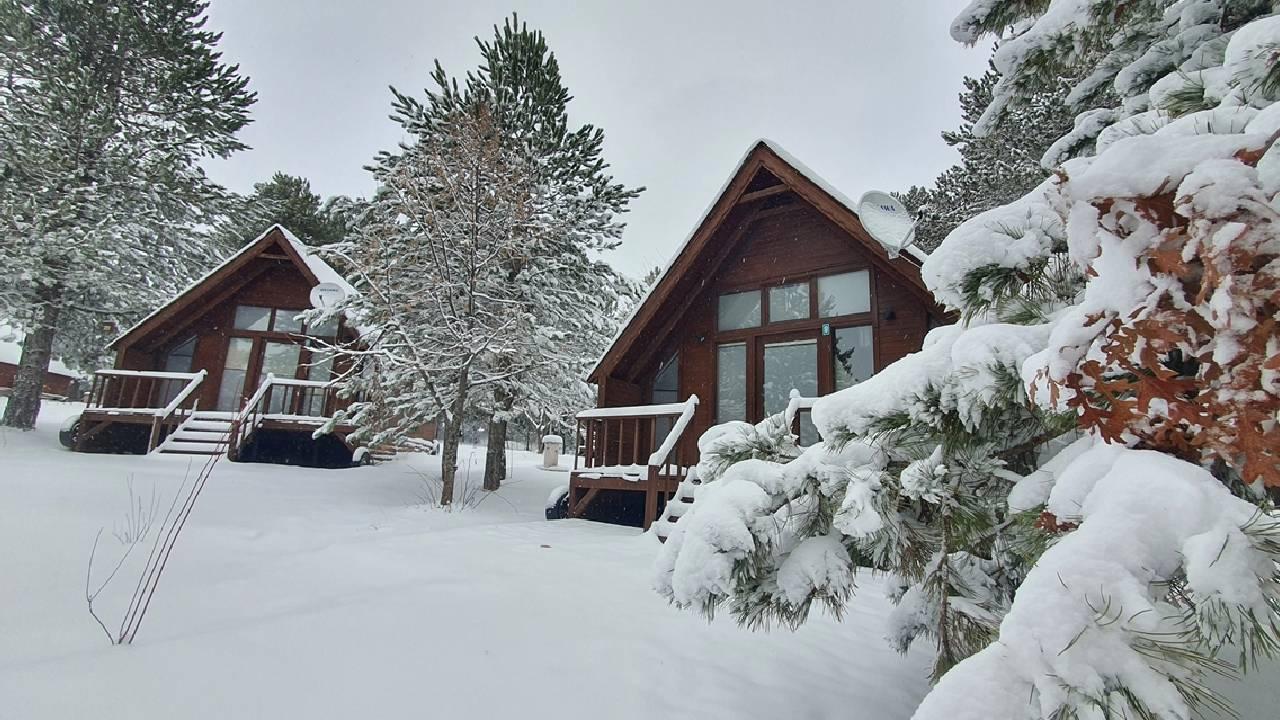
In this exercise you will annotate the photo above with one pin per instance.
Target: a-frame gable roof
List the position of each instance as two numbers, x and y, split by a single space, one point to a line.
277 237
764 171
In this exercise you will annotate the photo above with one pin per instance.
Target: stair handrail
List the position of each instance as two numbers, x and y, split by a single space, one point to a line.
163 414
659 457
182 395
239 434
795 405
681 412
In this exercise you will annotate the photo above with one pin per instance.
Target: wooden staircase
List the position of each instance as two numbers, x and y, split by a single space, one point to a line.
202 433
678 505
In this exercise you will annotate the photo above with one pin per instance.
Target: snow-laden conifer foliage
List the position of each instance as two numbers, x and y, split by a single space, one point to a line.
106 109
995 167
478 260
286 200
1071 483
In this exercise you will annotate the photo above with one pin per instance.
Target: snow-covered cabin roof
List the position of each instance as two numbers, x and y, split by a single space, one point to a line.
11 352
311 264
772 157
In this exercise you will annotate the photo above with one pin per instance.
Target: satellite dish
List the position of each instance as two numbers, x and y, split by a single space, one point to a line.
326 295
888 221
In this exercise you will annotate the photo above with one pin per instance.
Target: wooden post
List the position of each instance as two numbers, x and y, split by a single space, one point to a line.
651 498
154 440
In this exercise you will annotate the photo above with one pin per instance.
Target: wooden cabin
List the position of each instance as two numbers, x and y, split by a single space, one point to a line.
60 381
228 367
778 289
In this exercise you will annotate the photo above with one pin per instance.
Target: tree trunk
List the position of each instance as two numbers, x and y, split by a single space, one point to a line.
495 461
37 350
452 439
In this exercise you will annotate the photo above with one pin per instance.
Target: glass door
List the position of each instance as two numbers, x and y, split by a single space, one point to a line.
234 371
281 360
790 365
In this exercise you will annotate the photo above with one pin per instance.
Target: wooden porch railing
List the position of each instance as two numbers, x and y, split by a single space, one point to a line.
629 440
168 397
137 391
283 399
797 407
621 446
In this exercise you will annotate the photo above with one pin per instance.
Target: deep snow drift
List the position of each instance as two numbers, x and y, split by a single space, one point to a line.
337 593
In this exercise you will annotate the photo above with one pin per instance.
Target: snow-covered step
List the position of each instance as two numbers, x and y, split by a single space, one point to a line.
191 448
204 433
679 504
215 425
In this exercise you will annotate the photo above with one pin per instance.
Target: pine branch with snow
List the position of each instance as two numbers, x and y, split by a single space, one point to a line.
1071 484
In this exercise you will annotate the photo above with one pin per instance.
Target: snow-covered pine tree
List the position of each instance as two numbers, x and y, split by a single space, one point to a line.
106 111
289 201
1135 294
428 258
569 292
996 167
562 300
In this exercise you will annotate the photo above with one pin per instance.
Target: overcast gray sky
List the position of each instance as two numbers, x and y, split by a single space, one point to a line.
857 90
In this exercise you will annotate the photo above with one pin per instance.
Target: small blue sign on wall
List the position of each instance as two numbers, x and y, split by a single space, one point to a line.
826 329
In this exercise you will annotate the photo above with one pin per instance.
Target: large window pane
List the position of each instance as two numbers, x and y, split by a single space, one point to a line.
177 360
808 431
326 329
249 317
320 368
666 389
666 383
287 321
739 310
789 302
281 360
229 392
854 355
789 366
844 294
731 382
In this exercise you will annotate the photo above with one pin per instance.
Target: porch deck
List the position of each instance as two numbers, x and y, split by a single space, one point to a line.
631 449
158 412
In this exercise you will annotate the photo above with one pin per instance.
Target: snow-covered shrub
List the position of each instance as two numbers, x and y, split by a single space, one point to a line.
1072 485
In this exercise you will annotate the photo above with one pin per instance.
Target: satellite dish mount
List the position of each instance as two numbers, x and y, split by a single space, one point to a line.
327 295
888 221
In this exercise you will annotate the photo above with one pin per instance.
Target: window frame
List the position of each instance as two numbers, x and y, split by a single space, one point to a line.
271 333
768 326
769 332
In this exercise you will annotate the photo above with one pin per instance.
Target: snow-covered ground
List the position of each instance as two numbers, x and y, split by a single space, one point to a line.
338 593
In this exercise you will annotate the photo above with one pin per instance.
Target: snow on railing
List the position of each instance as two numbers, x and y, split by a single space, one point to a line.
797 405
632 411
659 456
182 396
141 392
239 433
614 433
159 374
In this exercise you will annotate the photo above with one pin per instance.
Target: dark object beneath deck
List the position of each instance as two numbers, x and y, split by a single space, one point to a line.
296 447
619 507
111 436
